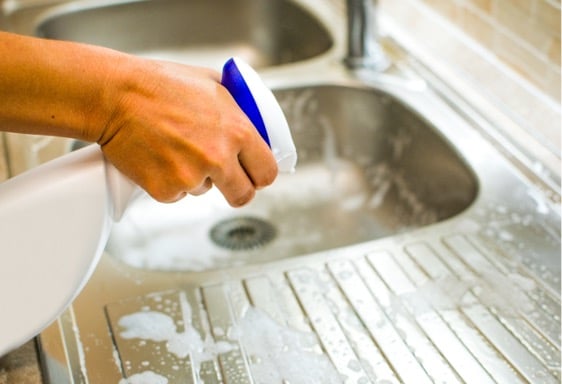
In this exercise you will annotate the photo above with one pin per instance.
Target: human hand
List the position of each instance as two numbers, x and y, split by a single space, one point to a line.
175 130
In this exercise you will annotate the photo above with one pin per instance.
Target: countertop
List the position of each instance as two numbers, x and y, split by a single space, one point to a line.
21 366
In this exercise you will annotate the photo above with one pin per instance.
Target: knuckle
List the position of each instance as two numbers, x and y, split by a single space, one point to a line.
161 195
165 191
242 131
213 161
203 188
242 198
268 177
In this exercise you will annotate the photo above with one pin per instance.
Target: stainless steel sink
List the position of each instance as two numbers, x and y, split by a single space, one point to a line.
369 167
204 32
410 245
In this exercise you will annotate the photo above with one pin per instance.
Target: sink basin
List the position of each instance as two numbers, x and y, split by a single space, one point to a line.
369 167
198 32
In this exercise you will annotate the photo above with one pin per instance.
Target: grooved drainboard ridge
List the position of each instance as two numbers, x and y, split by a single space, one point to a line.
449 311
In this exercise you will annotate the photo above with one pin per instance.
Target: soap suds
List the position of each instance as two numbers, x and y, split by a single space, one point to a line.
151 325
159 327
279 354
276 353
146 377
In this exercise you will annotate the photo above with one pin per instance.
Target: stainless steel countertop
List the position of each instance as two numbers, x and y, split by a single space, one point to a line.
475 298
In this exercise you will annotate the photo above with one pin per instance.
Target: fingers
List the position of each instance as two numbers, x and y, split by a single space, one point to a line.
258 164
236 187
231 178
174 199
182 132
253 168
237 179
203 188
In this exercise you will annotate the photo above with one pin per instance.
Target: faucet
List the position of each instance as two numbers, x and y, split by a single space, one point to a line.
363 48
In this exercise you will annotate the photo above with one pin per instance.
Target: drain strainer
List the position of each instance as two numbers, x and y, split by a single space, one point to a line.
242 233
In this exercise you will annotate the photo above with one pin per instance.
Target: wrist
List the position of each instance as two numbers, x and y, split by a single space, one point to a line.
123 79
116 78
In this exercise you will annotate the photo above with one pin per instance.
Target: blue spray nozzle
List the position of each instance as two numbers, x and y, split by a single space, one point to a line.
259 104
233 80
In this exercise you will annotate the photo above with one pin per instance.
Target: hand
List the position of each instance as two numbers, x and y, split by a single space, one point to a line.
175 130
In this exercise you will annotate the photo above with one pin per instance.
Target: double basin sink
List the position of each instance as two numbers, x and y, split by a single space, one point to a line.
391 180
370 164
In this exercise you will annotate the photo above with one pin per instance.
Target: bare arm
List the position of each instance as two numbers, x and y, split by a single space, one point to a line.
173 129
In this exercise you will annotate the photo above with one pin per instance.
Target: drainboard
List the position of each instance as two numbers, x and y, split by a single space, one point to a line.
413 316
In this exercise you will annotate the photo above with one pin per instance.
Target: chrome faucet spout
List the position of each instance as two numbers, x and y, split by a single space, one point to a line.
363 48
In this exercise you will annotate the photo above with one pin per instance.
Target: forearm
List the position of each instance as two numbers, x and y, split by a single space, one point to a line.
54 88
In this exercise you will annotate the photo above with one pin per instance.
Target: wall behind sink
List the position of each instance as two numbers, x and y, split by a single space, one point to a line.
525 34
503 56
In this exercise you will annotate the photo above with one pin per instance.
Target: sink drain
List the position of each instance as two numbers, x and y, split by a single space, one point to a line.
242 233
